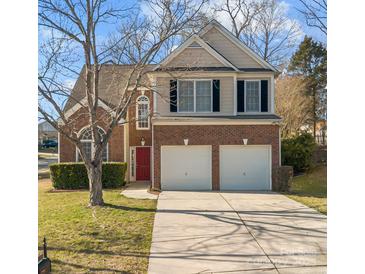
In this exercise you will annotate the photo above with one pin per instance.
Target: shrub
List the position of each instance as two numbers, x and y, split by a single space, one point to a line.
74 175
298 152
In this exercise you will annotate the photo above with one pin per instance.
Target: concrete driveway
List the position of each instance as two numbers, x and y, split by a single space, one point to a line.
210 232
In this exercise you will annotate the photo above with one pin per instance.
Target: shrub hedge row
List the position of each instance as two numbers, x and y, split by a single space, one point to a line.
298 152
74 175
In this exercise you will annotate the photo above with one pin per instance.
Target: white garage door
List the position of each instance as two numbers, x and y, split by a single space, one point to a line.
245 167
186 168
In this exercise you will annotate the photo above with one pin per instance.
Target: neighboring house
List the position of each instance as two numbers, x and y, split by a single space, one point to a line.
46 132
212 126
321 131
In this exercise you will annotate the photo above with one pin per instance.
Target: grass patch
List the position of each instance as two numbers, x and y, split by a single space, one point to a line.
111 239
311 189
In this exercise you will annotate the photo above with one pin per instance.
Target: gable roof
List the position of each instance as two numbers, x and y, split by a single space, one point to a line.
237 42
193 39
196 38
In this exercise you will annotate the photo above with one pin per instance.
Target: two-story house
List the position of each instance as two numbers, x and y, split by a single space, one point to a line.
212 124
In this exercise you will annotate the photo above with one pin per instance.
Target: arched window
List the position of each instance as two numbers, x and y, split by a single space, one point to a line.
143 106
86 144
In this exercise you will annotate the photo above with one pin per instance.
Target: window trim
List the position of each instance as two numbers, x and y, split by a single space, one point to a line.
89 141
148 108
194 92
253 80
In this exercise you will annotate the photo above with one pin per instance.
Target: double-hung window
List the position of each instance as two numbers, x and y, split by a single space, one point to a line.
194 96
252 96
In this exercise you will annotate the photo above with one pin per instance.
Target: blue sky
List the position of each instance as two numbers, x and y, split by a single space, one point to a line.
293 5
292 13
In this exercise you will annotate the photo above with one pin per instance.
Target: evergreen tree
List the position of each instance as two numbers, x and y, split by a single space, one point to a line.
310 62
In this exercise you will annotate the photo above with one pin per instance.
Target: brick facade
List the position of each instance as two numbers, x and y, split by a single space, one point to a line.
214 135
116 142
135 135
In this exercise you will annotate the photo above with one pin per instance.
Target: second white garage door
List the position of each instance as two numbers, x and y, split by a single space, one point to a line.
186 168
245 167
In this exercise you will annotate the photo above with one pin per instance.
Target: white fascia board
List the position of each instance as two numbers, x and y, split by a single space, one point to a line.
238 43
212 121
239 74
82 103
220 58
175 52
196 38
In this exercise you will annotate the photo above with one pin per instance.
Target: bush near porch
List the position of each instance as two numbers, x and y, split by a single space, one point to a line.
74 175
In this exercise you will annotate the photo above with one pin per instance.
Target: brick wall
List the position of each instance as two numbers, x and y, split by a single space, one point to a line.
134 134
79 120
215 136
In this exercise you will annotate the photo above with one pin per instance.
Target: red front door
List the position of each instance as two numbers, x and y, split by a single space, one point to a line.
143 167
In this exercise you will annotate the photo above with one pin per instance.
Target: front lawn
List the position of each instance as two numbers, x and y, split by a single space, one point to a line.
311 189
112 239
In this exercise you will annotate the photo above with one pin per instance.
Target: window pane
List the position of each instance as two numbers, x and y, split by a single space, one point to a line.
203 96
252 96
87 148
104 154
142 115
186 96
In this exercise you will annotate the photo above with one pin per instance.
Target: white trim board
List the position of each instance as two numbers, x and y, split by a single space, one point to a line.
215 122
82 103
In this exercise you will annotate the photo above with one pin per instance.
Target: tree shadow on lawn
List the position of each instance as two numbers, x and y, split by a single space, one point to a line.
306 195
128 208
92 269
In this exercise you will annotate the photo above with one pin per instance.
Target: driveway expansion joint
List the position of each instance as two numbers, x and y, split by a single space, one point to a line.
252 235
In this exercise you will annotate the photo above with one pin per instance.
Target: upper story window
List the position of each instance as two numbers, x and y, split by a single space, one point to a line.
143 106
86 140
252 96
194 95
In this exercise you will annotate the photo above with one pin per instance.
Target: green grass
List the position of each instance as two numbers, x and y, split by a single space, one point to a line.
311 189
111 239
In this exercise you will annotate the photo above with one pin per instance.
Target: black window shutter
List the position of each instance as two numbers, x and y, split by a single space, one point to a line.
264 96
173 96
216 95
240 96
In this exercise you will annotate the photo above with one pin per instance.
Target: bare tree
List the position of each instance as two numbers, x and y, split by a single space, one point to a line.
241 13
75 28
292 104
264 26
315 13
272 34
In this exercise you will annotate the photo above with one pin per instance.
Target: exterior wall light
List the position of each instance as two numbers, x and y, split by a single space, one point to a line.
186 142
142 141
245 141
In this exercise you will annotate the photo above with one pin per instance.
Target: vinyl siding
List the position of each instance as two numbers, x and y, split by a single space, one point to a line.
226 97
194 57
229 50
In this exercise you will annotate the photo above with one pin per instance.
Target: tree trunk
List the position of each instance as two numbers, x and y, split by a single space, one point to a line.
314 113
95 184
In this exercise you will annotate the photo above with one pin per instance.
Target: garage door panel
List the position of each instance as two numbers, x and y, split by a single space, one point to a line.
186 168
245 167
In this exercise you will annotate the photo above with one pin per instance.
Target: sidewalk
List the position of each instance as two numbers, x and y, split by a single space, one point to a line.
139 190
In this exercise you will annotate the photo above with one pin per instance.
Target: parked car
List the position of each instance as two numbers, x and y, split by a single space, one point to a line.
49 143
